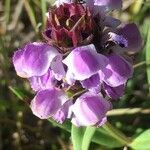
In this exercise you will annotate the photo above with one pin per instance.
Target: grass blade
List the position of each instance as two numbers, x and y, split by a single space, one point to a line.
43 7
7 10
148 57
31 14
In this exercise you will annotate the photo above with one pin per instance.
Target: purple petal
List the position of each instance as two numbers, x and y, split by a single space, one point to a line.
47 102
18 63
102 122
117 72
83 62
131 33
92 83
118 39
63 112
70 78
109 4
114 92
89 109
34 59
57 67
43 82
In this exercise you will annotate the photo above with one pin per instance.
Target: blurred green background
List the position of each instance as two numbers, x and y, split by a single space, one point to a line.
22 21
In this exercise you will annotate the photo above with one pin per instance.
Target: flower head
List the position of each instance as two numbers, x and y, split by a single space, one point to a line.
85 50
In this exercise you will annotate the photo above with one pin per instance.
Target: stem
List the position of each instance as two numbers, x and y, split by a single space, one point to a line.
139 64
128 111
79 93
87 138
77 136
114 132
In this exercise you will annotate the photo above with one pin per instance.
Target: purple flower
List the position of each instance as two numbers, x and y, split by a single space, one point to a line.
90 109
85 49
114 92
83 62
93 83
118 39
117 72
50 103
131 33
108 4
45 81
34 59
40 63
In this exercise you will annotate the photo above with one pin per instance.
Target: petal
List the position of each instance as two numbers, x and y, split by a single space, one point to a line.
37 58
117 72
109 4
89 109
118 39
131 33
63 112
114 92
18 63
92 83
83 62
102 122
47 102
57 67
43 82
34 59
70 78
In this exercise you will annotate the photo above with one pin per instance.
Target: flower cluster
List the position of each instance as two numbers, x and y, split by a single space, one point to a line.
82 65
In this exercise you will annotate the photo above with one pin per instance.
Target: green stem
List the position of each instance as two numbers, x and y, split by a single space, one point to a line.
116 134
77 136
87 138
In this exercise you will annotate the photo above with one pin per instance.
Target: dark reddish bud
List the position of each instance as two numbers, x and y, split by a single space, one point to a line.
70 25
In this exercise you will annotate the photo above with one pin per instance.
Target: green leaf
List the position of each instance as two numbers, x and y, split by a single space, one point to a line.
31 14
148 57
87 138
103 138
100 136
43 7
142 142
7 10
77 136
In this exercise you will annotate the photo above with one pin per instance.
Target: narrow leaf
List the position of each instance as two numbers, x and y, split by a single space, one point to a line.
103 138
7 10
77 136
16 92
89 132
31 14
142 141
43 7
148 57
